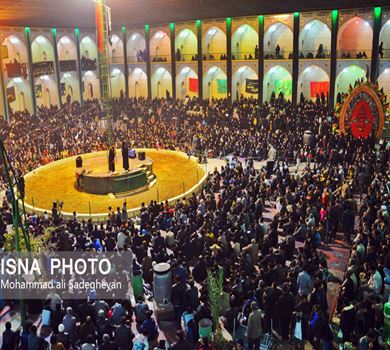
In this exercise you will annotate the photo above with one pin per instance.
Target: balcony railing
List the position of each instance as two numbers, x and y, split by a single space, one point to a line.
273 55
117 60
314 54
135 59
215 57
354 54
244 56
160 58
186 57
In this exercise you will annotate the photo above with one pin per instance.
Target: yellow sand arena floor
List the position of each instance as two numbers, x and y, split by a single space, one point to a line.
56 182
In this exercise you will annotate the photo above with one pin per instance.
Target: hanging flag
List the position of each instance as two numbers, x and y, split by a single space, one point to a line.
10 91
99 25
252 86
284 86
318 87
193 84
222 86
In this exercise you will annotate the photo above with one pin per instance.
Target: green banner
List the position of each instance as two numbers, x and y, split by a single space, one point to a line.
284 86
222 86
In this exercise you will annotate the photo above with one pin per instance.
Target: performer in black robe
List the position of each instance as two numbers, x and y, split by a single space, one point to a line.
111 159
125 156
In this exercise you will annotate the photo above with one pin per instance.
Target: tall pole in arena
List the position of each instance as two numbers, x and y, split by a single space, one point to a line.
103 28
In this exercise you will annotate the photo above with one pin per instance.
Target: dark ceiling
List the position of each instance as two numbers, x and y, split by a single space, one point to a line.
80 13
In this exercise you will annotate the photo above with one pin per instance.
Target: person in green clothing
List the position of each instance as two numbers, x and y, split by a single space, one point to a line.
254 327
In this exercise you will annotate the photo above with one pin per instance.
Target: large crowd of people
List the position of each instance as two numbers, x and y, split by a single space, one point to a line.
275 275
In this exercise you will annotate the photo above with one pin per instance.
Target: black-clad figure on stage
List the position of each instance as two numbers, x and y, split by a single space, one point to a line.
111 159
125 156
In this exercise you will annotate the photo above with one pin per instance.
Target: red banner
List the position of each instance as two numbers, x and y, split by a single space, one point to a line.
99 25
361 120
317 87
193 84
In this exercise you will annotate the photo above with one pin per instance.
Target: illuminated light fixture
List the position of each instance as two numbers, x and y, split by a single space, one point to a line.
114 39
242 29
272 28
87 40
137 71
65 40
115 71
20 80
44 77
159 35
160 70
41 39
386 71
184 33
67 75
185 70
212 31
14 40
88 73
366 23
212 70
133 36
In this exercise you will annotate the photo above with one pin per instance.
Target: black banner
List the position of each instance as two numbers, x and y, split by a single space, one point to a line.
42 68
68 66
87 64
16 70
252 86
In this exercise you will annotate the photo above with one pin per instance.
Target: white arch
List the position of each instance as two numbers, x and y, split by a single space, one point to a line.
347 77
116 49
384 37
160 47
384 81
214 43
135 44
161 83
91 88
187 43
17 50
88 48
46 91
278 35
118 83
239 82
314 34
210 83
183 82
354 36
20 89
138 83
244 42
66 49
70 87
311 74
42 49
277 79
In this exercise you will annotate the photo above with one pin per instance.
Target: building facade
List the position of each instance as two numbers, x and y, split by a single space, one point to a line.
298 54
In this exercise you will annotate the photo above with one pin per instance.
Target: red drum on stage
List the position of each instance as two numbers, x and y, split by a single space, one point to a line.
361 120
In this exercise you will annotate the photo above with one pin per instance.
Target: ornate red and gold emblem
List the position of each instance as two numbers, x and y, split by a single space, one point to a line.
363 111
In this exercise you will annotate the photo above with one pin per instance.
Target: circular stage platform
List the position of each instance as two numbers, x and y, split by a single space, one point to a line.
176 176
